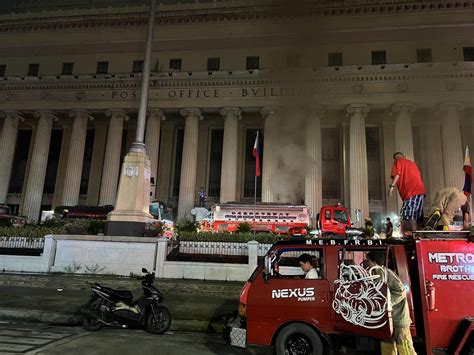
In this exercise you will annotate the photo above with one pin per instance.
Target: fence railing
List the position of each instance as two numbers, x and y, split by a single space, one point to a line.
210 248
263 249
21 245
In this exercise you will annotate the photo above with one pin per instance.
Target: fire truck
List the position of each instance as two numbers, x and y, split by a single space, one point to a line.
263 217
347 306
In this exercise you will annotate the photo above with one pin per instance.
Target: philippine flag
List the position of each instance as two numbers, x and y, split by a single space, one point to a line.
467 173
256 155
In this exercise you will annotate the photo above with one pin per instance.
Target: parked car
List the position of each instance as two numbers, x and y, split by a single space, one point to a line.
7 218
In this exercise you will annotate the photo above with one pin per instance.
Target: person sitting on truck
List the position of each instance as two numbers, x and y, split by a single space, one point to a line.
306 263
446 203
401 342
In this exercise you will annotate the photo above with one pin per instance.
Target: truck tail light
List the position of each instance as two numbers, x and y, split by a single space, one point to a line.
242 310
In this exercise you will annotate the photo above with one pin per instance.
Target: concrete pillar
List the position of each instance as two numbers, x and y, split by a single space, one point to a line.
452 146
8 139
110 173
161 251
388 150
229 155
434 177
359 184
403 129
269 163
152 141
187 186
37 172
163 183
313 177
95 174
253 255
75 160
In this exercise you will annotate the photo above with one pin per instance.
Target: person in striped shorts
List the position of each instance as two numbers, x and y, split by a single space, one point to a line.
407 177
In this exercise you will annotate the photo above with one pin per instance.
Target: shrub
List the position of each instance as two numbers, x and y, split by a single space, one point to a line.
154 230
77 226
95 227
187 226
264 238
5 222
244 228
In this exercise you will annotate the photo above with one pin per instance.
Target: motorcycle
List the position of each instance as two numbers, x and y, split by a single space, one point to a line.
117 308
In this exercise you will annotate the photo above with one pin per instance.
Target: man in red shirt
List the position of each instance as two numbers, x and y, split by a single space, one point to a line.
407 177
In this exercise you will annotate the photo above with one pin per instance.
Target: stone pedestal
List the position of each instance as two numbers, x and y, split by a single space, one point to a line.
359 184
131 209
8 140
229 155
268 164
313 177
110 173
452 145
152 141
187 186
75 160
37 172
403 129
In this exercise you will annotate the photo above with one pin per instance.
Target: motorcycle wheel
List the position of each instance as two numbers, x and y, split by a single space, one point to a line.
90 323
163 320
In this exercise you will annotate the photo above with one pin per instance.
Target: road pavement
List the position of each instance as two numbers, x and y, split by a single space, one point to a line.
27 338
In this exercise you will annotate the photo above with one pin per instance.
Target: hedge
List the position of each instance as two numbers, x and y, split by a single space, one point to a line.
264 238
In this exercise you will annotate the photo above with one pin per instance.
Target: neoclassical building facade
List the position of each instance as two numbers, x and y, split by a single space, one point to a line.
333 88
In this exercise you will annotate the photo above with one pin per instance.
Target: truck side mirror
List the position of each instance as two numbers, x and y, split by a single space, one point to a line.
267 268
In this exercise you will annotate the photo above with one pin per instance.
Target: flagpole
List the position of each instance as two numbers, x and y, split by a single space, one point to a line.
254 204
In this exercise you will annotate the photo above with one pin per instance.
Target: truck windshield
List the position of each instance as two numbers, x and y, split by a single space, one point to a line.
340 216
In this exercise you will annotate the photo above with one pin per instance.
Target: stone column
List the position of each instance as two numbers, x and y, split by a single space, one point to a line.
269 163
359 184
152 141
388 150
37 172
229 155
95 174
452 145
75 159
187 186
403 129
110 173
313 178
7 150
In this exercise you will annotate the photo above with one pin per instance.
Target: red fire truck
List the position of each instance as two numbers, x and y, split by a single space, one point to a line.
347 306
264 217
333 220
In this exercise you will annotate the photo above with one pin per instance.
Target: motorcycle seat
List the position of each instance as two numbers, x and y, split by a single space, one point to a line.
121 294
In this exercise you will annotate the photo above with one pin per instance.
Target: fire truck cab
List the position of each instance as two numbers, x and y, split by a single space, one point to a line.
333 220
349 305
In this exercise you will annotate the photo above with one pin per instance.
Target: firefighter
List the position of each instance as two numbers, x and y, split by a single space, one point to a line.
401 342
446 203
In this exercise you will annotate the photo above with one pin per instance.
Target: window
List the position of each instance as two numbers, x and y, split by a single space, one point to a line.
102 68
293 61
178 155
373 144
213 64
335 59
249 178
86 166
468 54
252 63
3 69
379 57
67 69
175 64
331 163
286 264
340 216
21 158
33 69
53 161
423 55
137 66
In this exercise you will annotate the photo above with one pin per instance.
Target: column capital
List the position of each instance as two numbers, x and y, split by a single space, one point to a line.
403 107
12 114
447 106
363 109
46 114
80 113
318 110
268 111
156 113
191 112
231 111
117 113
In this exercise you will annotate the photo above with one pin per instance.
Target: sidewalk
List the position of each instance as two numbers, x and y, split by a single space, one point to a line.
194 305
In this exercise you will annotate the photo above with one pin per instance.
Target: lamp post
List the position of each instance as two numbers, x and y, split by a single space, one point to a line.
131 211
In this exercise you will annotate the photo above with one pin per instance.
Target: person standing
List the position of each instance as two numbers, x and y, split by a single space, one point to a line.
401 342
407 177
388 228
202 197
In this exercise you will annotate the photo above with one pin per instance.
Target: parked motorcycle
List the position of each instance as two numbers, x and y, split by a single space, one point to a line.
117 308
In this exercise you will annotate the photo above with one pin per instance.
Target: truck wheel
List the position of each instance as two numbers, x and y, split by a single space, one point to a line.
298 339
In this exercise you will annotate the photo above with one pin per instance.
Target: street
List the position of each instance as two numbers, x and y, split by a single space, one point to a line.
22 338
